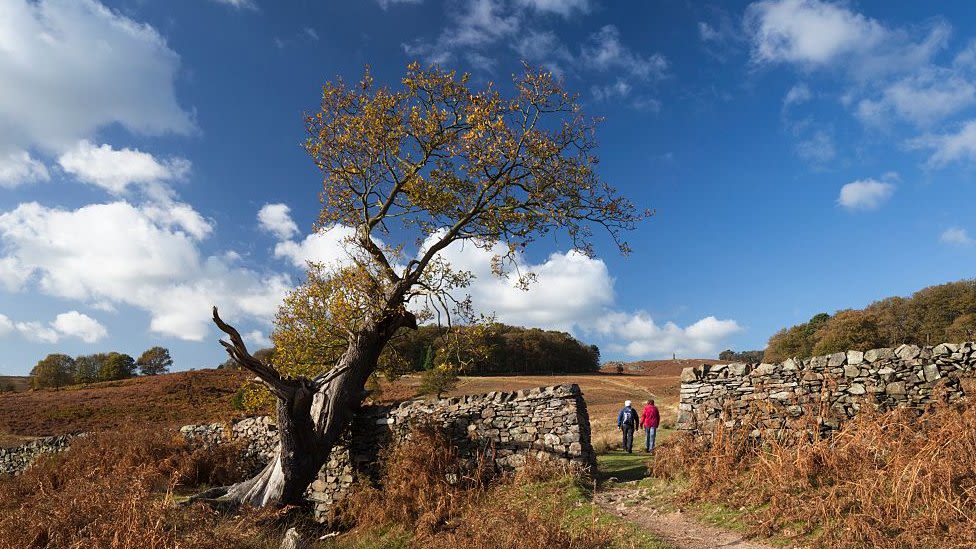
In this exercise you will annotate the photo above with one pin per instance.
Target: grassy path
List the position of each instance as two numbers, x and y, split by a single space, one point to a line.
627 494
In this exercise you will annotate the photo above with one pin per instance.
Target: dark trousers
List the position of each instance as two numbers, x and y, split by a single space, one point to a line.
628 431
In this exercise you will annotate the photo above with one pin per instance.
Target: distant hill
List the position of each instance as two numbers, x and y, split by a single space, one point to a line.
671 368
167 400
20 383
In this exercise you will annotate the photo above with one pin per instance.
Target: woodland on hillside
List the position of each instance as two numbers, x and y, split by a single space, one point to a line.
932 315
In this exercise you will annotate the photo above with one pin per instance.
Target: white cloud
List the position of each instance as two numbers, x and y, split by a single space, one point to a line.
809 31
37 332
19 168
387 3
818 148
70 56
707 33
478 23
6 325
956 235
560 7
311 33
115 170
328 247
929 96
640 336
606 52
948 147
240 4
276 219
79 325
70 324
867 194
118 253
258 338
799 93
815 34
544 48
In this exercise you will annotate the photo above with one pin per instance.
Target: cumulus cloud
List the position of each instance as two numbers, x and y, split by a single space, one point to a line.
115 170
257 337
957 236
929 96
276 219
79 325
19 167
640 336
809 31
69 56
948 147
867 194
117 253
70 324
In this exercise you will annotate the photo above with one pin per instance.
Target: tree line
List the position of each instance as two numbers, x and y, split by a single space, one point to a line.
932 315
58 370
493 349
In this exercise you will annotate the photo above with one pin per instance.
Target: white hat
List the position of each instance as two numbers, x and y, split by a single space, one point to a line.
626 403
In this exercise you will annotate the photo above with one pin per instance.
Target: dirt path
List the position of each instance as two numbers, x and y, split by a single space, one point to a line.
677 528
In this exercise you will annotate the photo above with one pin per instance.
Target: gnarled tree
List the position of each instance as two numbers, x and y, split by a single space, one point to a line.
407 173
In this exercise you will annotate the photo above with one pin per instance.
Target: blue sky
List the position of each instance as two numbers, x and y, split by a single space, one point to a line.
802 156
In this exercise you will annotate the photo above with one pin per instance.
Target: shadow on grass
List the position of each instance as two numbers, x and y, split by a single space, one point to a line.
622 466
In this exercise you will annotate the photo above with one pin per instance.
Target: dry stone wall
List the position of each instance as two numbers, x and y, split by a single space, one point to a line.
13 461
802 397
548 422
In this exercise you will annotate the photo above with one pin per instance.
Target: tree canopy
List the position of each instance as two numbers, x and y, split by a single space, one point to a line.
407 173
154 361
932 315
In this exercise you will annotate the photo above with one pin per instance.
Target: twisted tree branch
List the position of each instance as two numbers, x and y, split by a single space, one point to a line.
279 386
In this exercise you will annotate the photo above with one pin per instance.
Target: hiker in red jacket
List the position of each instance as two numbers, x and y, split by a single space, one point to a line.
650 419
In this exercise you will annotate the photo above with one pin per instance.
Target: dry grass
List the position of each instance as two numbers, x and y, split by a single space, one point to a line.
116 489
888 480
426 491
165 400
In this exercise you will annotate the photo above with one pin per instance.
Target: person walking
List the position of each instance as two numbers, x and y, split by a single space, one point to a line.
627 422
650 419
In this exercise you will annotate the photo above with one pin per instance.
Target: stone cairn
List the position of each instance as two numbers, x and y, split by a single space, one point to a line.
800 398
548 422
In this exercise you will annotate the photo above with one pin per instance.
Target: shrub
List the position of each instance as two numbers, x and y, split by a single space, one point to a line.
116 489
885 480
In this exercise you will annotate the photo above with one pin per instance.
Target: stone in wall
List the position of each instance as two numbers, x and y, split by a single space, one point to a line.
13 461
818 395
548 422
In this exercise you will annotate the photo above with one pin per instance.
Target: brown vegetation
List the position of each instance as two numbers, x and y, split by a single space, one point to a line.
426 491
115 489
165 400
887 480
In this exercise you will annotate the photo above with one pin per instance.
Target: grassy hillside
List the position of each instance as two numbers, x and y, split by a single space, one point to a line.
20 383
206 395
172 399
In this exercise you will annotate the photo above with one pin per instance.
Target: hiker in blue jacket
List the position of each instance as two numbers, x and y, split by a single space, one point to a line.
627 422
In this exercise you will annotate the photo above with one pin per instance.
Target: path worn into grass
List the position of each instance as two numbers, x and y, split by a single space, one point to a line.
624 498
677 528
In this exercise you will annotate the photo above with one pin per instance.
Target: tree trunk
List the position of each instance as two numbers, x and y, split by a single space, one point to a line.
312 415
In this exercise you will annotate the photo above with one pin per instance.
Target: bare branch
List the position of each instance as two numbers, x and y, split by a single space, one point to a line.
280 387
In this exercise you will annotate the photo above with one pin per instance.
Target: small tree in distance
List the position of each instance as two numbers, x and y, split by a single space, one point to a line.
408 173
55 370
154 361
